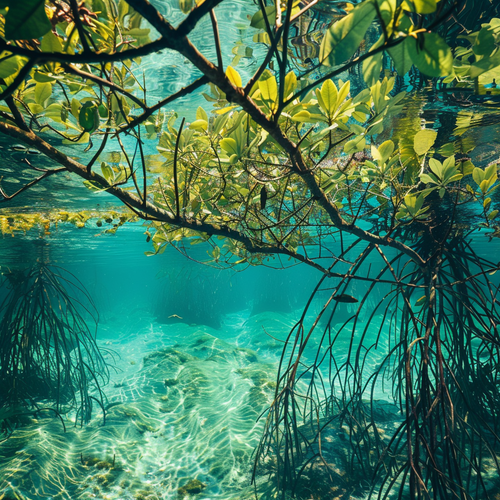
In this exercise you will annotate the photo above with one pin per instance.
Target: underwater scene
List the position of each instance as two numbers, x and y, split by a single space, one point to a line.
185 354
249 250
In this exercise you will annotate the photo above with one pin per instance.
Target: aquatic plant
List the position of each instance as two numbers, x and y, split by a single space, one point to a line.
289 164
48 353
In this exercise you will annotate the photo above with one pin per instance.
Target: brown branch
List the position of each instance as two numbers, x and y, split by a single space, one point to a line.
176 184
150 110
215 29
103 82
18 117
37 57
147 209
78 23
194 16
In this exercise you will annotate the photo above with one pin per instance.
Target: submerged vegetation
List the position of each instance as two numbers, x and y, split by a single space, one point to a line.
305 160
49 359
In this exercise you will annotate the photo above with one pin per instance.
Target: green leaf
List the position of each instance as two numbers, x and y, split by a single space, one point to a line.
424 140
401 57
427 179
431 55
485 64
107 172
355 145
201 114
199 125
51 43
478 175
344 37
383 152
75 107
88 117
344 89
485 42
329 95
40 77
258 21
436 168
10 66
290 84
229 145
42 92
425 6
26 19
492 214
491 172
302 116
372 67
268 86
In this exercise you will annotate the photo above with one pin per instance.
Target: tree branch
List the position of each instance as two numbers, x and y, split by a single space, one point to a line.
147 209
103 82
194 16
150 110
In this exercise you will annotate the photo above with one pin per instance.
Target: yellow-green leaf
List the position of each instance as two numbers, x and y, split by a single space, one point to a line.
42 92
425 6
431 55
229 145
233 76
424 140
329 95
